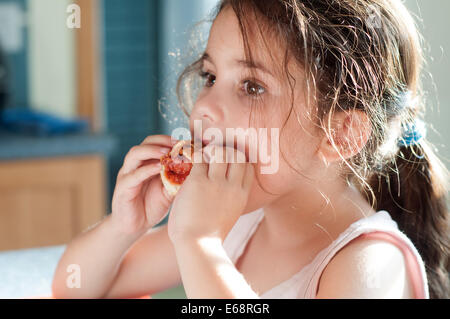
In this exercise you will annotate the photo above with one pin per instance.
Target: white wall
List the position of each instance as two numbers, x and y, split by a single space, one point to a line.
52 77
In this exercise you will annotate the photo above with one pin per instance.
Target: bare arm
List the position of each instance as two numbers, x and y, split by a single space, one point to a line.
149 267
371 269
114 265
98 253
208 272
107 266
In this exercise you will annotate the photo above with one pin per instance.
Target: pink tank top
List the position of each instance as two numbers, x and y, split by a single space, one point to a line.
305 283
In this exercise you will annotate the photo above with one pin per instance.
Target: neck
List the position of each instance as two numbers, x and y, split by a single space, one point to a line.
301 218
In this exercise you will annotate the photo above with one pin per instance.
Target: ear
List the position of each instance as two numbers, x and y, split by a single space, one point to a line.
345 136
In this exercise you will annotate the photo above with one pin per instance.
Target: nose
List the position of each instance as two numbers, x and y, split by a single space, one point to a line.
208 109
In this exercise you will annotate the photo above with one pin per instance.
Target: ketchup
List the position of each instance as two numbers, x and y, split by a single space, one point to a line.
177 168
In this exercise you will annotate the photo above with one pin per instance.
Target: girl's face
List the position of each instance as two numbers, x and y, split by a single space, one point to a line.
227 96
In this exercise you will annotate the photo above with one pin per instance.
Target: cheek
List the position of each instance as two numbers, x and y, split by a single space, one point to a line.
236 114
268 187
300 141
297 166
298 153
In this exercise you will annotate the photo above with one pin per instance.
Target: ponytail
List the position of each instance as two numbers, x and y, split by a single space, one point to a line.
412 188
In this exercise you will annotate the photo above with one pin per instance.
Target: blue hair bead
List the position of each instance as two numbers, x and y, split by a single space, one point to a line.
412 134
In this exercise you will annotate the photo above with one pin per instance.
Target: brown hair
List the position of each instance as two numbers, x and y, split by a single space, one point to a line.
364 55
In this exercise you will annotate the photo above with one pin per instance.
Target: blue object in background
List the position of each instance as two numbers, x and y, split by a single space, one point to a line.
28 121
130 43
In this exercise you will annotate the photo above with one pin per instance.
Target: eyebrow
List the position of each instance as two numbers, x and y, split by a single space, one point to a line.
244 63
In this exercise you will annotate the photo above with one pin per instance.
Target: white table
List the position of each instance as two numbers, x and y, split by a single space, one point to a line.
28 272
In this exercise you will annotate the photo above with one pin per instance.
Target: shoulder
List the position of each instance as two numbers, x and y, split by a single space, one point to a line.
366 268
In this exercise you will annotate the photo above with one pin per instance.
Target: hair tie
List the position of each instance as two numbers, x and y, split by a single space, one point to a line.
412 133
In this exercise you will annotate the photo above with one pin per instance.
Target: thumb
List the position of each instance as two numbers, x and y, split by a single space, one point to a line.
157 202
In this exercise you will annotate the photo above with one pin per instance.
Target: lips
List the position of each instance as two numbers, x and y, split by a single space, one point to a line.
205 142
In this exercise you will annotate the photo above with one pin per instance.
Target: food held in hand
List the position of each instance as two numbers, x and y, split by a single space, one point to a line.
176 166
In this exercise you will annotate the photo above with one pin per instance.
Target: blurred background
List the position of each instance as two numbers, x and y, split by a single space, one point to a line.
73 101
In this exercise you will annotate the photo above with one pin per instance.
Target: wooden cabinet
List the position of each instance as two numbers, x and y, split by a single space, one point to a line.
47 202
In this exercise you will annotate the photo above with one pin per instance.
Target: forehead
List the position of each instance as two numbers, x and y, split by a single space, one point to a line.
226 40
225 33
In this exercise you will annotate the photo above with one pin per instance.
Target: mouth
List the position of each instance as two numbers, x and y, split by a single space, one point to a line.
206 142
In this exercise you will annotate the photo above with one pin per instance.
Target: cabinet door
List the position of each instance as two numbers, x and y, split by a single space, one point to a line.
49 201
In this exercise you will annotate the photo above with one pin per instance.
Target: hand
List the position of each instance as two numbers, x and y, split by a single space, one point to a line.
212 197
140 201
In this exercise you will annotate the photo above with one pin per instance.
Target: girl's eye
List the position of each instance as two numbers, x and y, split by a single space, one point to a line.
209 78
250 88
253 89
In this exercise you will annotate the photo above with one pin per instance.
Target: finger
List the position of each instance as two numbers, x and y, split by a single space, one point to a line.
139 175
218 164
199 165
163 140
150 161
157 201
236 173
156 189
249 176
140 153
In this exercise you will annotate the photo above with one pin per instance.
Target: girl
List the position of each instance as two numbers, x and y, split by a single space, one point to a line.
357 208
